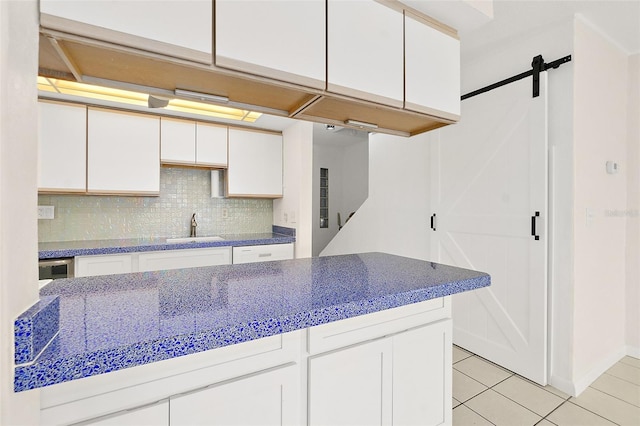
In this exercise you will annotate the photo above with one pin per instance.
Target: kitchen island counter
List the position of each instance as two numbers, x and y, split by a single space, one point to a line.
114 322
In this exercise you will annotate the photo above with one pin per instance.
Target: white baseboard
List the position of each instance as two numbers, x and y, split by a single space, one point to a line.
562 384
633 351
575 388
585 381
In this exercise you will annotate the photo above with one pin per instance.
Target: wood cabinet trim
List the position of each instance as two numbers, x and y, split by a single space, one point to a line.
365 96
58 191
266 72
409 106
420 16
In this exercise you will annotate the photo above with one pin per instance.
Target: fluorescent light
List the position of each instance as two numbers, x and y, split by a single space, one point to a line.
204 97
138 98
361 124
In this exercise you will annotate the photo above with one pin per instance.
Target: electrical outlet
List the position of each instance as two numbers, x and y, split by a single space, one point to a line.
285 217
45 212
292 216
225 213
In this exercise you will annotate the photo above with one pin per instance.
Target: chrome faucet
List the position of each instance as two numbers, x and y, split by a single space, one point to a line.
193 226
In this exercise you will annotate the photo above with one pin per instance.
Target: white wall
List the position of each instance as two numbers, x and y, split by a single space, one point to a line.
18 189
293 210
600 134
632 169
394 218
346 155
355 175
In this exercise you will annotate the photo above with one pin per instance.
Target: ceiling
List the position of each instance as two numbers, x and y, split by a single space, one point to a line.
618 20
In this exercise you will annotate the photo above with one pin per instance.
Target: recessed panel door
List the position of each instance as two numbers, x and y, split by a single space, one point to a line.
489 194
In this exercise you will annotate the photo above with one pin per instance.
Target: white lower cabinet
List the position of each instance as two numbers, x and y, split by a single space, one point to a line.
386 368
150 415
351 386
400 380
266 398
422 375
262 253
89 266
176 259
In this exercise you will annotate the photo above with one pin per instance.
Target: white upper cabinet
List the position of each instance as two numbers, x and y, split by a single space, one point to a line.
181 28
432 73
255 164
177 141
284 40
192 143
62 147
211 145
365 51
123 153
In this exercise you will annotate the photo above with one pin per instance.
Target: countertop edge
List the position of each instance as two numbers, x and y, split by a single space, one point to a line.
72 252
46 373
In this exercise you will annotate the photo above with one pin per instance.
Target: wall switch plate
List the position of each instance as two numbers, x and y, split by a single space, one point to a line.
225 213
612 167
45 212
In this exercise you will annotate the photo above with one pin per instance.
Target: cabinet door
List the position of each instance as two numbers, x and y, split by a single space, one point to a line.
255 164
177 141
181 28
88 266
432 61
154 415
279 39
251 254
365 51
62 147
211 145
176 259
267 398
352 386
422 375
123 153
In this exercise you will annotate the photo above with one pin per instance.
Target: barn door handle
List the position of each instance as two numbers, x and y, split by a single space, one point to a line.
433 221
533 226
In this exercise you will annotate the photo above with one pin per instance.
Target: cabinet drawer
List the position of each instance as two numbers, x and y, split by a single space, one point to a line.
250 254
176 259
88 266
354 330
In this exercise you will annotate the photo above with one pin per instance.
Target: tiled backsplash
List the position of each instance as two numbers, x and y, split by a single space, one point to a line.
183 191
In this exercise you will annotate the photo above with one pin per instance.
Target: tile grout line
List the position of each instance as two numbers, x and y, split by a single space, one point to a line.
612 396
524 406
469 408
586 409
621 378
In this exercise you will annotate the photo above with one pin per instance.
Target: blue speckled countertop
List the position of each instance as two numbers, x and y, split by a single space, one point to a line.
61 249
113 322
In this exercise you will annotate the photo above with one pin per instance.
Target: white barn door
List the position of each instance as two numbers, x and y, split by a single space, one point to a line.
489 178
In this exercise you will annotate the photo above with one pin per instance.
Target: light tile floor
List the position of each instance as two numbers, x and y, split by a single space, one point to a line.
486 394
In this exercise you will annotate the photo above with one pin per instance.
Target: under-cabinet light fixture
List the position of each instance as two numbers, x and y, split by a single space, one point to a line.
361 124
129 94
203 97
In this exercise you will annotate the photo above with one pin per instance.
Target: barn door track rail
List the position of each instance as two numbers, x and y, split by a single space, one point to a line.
538 65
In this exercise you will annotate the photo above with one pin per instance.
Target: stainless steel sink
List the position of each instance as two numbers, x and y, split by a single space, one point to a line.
193 239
